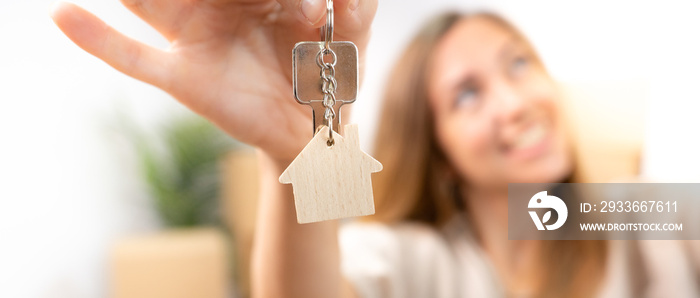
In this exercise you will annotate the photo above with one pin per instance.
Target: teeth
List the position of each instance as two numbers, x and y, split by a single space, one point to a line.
530 137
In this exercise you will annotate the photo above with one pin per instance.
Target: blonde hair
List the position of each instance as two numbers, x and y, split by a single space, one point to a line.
416 184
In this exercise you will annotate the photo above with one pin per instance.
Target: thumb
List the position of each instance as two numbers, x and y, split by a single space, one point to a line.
353 18
310 12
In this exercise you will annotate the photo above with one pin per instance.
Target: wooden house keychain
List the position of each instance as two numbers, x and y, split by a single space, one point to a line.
331 175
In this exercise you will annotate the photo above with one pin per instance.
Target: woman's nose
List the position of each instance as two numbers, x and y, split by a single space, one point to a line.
510 104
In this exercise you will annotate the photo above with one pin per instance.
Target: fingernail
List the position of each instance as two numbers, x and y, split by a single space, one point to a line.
312 10
354 4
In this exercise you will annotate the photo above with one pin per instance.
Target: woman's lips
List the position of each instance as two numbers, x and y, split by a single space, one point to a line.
529 144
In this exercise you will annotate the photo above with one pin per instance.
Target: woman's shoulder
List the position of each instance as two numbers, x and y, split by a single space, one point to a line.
396 260
397 243
404 236
651 268
409 232
670 268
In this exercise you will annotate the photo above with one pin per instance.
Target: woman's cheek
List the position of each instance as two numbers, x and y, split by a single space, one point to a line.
479 141
475 147
541 89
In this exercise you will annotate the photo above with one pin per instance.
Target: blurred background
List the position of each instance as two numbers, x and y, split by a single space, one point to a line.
110 188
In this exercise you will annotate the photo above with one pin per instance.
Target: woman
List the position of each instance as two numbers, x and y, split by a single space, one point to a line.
481 112
470 108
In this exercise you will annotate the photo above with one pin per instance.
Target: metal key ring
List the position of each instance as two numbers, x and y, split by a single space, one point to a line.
327 29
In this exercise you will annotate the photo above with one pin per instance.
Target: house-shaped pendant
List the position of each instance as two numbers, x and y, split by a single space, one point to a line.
332 182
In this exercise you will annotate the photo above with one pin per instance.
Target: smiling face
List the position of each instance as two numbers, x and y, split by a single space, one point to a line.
495 107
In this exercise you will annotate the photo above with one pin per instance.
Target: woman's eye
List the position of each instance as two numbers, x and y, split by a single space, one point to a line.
467 96
519 65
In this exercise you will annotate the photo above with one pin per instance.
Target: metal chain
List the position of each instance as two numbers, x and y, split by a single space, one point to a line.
328 87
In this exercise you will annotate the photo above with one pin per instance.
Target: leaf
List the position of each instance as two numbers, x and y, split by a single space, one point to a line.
183 176
546 217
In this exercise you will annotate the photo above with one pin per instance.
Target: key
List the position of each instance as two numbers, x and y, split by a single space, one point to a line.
331 176
308 84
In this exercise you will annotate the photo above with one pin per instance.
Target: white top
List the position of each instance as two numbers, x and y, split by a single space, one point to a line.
413 260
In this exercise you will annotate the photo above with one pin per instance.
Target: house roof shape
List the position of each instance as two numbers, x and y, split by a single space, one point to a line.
331 182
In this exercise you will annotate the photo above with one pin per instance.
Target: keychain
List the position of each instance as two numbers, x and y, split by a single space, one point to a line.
331 177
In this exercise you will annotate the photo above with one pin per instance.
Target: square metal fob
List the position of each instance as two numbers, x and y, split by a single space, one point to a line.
306 77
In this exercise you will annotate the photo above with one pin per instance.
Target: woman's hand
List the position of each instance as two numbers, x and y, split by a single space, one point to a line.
228 60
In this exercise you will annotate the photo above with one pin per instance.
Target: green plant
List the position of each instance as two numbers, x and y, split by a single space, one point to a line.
184 176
